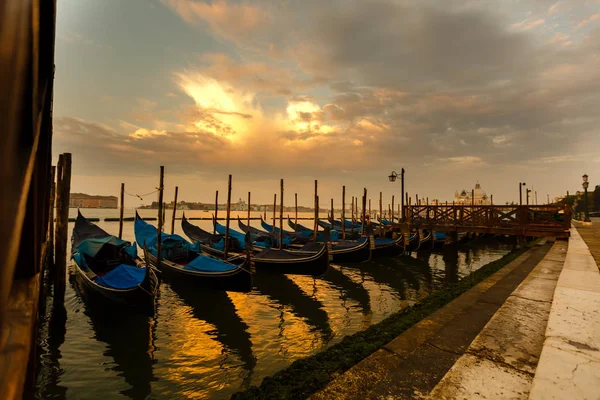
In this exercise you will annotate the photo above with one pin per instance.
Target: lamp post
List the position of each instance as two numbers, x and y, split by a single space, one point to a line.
585 197
392 178
521 184
528 191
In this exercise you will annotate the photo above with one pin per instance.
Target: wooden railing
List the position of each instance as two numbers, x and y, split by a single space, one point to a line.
540 218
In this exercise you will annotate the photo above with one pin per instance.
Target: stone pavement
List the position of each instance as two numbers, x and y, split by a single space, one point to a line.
411 365
569 366
500 363
591 236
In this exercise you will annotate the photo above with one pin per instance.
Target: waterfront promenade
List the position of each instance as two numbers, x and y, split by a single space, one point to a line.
532 330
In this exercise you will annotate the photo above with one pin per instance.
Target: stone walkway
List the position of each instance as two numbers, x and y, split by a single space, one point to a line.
411 365
569 366
500 363
591 236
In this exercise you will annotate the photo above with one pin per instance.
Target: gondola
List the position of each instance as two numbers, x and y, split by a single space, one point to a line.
303 230
298 262
337 226
110 268
295 238
385 247
260 240
212 244
182 262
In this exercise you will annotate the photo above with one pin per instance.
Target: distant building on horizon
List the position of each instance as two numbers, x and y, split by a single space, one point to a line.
479 196
82 200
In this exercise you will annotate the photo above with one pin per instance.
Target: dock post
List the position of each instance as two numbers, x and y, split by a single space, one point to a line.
174 211
121 211
281 218
227 216
217 212
274 211
392 211
364 206
343 212
63 190
332 213
296 207
51 220
160 218
380 214
248 221
316 224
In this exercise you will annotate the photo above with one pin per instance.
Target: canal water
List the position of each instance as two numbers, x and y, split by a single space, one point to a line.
210 344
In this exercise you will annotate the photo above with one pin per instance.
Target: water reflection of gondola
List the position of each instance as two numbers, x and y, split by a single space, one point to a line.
216 308
351 289
130 343
285 292
382 274
450 257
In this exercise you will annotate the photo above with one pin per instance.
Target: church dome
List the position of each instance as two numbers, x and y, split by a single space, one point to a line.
479 192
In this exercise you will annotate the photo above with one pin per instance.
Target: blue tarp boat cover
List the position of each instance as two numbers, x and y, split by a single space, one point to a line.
91 247
239 236
122 277
440 236
208 264
147 234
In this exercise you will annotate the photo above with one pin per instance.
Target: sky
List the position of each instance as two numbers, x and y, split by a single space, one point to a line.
342 91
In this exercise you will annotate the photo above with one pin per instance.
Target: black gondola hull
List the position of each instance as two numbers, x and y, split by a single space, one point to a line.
140 299
305 264
236 280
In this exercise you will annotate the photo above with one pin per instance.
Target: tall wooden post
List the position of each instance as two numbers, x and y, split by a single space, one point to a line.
227 217
343 212
317 220
51 219
296 207
402 197
472 197
392 211
281 218
265 212
369 208
491 199
216 210
316 224
160 219
274 211
352 220
332 213
63 190
249 209
364 206
174 211
380 214
405 212
121 207
164 214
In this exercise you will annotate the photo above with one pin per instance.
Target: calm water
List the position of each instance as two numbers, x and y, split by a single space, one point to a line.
211 344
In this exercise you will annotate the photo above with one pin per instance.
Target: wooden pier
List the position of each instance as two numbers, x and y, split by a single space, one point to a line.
538 220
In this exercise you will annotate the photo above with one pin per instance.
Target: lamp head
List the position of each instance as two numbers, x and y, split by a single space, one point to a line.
585 177
393 176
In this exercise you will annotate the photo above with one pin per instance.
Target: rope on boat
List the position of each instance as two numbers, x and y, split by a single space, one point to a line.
140 196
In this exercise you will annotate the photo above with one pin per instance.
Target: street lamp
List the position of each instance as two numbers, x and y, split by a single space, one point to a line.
528 191
585 197
521 184
392 178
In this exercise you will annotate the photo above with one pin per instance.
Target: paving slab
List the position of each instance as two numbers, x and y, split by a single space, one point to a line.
478 378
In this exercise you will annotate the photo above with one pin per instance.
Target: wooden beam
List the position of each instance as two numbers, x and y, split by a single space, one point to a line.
227 217
174 211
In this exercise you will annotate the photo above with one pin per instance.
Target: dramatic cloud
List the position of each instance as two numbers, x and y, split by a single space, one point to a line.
347 90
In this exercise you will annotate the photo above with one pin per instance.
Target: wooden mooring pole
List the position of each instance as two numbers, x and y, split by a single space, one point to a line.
51 219
392 211
296 208
343 212
316 224
227 217
332 214
274 210
216 211
364 206
249 208
380 214
121 208
63 190
174 211
160 217
281 218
